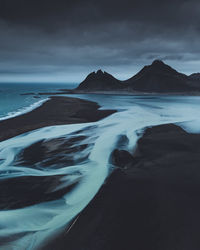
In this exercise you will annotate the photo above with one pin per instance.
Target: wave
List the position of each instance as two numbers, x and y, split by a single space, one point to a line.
24 110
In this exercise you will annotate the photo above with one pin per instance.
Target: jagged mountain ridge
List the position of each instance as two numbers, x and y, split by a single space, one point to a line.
100 81
157 77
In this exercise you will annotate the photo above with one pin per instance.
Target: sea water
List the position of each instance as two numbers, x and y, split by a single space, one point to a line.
13 102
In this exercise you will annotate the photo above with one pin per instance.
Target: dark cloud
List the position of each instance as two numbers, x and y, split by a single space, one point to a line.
64 40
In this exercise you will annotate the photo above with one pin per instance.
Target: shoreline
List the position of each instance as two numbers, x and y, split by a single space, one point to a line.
127 92
55 111
24 110
120 92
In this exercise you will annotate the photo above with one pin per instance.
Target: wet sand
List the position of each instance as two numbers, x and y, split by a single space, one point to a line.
24 191
56 111
150 202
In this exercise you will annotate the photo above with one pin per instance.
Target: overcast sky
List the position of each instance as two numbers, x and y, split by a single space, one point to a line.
64 40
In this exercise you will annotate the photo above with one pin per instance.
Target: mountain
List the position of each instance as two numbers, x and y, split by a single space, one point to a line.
100 81
159 77
195 80
155 78
195 76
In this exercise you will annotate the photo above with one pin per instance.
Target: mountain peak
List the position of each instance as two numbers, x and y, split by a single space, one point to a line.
158 62
159 77
158 66
100 72
99 80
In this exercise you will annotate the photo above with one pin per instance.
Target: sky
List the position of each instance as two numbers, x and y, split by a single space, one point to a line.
64 40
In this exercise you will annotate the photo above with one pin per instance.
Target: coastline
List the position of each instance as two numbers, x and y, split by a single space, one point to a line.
120 92
55 111
24 110
137 93
150 202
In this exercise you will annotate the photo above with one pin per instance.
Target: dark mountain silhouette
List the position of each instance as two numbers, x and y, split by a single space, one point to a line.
100 81
195 80
157 77
195 76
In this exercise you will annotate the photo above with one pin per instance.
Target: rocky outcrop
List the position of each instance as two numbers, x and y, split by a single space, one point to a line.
121 158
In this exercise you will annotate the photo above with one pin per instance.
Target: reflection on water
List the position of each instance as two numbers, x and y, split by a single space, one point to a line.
49 175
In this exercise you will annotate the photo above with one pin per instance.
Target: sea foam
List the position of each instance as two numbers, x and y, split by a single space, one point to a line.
24 110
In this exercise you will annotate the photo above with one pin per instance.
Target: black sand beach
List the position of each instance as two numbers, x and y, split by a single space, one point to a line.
56 111
48 153
150 202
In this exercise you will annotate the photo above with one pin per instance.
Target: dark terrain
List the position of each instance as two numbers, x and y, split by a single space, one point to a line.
56 111
150 202
45 154
53 153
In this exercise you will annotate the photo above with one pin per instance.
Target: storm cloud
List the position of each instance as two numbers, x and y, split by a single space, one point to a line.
62 41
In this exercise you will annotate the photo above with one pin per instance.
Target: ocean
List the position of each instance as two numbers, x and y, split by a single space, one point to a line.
12 103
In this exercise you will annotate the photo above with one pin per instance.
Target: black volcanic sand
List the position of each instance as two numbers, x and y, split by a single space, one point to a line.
150 203
46 154
56 111
54 153
25 191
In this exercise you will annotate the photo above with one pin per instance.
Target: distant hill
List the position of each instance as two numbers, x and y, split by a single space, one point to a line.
155 78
